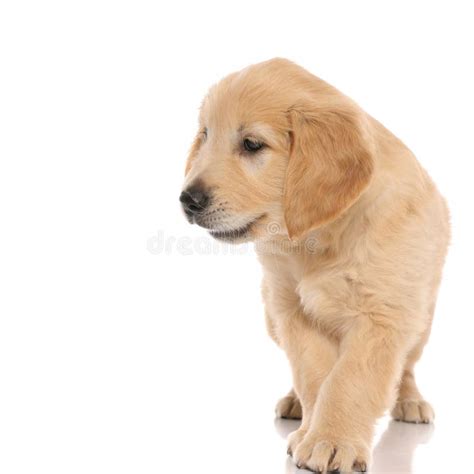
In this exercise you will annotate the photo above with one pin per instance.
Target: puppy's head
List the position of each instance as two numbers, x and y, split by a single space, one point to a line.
277 151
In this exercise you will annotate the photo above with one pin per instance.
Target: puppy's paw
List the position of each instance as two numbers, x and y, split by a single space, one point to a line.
322 454
289 407
413 411
294 439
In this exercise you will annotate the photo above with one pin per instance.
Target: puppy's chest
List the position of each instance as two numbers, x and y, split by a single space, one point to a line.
330 297
332 301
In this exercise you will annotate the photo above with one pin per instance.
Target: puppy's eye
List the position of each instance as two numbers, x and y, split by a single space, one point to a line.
251 145
204 133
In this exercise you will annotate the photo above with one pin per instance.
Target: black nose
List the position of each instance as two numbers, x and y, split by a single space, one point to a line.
194 200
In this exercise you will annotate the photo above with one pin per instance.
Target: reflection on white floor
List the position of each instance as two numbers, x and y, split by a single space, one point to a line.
393 453
396 448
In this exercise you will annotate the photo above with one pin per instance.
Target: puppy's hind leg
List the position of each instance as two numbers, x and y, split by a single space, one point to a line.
289 407
410 406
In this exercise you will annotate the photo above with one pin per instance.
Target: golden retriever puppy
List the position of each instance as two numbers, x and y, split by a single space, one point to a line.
352 235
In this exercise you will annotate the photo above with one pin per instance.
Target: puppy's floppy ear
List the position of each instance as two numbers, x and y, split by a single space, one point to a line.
330 165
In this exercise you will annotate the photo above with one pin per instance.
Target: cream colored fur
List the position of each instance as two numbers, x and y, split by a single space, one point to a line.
352 310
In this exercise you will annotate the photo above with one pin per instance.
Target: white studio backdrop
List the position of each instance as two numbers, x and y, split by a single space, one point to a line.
130 341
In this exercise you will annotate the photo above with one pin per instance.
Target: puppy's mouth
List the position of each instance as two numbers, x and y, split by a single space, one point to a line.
238 233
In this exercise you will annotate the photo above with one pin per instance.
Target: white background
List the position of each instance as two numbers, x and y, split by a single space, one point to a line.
121 354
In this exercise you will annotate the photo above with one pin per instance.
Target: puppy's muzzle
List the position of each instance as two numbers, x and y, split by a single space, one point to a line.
194 200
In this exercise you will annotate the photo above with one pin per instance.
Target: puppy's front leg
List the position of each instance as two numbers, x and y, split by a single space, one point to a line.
311 356
353 396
